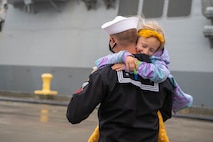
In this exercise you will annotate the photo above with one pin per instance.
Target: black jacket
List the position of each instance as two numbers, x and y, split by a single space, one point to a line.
128 106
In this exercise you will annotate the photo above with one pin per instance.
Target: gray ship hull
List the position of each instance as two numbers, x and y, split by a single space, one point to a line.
66 40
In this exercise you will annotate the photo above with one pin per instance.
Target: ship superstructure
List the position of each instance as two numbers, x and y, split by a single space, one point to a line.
64 38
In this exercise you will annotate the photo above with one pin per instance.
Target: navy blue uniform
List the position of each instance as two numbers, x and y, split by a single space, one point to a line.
128 106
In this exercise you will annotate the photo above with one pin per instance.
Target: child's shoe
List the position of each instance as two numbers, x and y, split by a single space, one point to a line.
181 100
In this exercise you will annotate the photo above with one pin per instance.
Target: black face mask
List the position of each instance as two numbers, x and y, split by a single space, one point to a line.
111 49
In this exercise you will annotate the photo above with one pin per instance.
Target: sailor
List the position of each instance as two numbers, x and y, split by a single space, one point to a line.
128 105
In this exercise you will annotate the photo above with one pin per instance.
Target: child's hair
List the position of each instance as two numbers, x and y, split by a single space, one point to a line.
152 29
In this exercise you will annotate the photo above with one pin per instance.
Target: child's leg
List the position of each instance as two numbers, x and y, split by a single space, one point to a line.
162 136
95 135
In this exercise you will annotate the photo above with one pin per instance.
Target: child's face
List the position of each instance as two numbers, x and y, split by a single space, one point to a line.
147 46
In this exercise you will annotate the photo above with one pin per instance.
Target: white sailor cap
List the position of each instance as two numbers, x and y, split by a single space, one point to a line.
120 24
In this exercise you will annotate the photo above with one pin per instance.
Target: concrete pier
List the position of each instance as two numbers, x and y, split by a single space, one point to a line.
24 122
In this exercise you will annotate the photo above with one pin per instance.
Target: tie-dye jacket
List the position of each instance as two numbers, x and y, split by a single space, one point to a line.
157 71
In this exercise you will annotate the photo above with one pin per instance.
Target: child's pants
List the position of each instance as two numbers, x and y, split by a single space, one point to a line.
162 136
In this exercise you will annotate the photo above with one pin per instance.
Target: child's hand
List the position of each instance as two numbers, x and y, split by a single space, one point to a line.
131 63
94 69
118 67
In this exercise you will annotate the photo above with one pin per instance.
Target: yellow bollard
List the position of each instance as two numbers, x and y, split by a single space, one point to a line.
46 78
